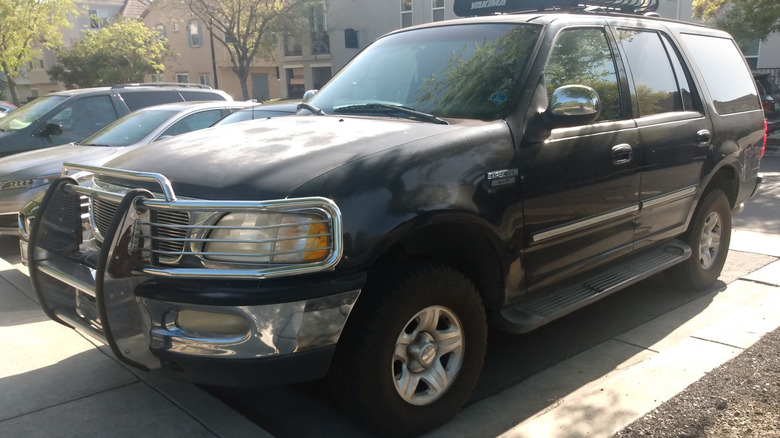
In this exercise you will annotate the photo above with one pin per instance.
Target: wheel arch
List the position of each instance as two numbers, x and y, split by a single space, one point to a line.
726 178
465 247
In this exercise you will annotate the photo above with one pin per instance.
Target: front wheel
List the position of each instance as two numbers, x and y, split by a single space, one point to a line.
412 351
709 236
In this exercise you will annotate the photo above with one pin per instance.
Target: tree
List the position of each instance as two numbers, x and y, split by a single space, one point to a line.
746 20
248 28
120 53
26 28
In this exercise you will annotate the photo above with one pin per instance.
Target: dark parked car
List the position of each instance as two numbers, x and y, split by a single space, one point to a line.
67 116
770 101
24 175
500 169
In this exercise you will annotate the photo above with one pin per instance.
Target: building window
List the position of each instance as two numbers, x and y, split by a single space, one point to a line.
183 78
406 13
161 30
437 10
204 79
350 39
750 50
157 77
98 18
292 46
320 43
295 82
194 33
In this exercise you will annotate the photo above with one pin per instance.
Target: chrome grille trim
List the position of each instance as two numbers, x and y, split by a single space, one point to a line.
171 234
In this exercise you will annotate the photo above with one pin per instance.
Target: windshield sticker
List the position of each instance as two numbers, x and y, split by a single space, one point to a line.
498 98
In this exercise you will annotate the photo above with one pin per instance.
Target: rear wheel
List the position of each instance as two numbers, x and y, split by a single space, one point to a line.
709 236
412 351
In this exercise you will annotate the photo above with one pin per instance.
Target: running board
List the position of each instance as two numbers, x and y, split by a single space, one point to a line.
530 314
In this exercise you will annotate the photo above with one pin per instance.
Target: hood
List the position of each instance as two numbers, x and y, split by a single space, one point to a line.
268 159
49 161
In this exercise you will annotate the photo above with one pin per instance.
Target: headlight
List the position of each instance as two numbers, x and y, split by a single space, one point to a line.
28 183
277 238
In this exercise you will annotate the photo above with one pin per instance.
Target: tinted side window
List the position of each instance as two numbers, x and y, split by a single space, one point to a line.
200 95
690 98
654 78
725 73
86 115
583 56
193 122
142 99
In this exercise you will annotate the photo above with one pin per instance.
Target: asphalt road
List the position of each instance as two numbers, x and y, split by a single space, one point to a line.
307 410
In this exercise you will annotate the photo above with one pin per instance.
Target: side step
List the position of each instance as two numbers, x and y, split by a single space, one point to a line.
530 314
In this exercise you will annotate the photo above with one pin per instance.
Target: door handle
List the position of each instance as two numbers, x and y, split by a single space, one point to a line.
703 137
622 153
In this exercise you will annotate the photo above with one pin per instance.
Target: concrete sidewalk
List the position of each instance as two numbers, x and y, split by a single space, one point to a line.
664 357
55 382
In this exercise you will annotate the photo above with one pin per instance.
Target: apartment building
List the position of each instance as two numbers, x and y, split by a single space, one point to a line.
337 31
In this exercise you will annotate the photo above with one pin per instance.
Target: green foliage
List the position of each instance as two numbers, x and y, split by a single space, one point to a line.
27 27
120 53
746 20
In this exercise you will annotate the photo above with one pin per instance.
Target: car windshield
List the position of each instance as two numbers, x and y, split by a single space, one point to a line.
461 71
26 114
129 129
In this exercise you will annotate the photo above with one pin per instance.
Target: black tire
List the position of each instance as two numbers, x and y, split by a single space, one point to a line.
709 236
438 315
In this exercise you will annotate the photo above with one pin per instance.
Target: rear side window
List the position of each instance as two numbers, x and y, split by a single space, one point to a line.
725 73
200 95
142 99
654 76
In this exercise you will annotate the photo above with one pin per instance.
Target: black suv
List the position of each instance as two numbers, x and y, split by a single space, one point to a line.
65 116
501 169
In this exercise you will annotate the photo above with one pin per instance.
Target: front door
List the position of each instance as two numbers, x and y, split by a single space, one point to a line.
581 186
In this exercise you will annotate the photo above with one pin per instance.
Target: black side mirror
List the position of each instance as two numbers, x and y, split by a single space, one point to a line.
51 129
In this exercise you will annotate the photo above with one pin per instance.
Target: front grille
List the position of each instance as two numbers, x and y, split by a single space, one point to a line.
169 231
102 213
169 228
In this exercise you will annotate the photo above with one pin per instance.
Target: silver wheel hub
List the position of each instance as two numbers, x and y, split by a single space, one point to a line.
709 242
428 355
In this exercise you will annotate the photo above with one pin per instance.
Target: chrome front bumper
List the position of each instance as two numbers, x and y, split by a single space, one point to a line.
152 317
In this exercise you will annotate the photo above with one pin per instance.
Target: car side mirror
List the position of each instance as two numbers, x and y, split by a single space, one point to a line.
572 105
51 129
308 95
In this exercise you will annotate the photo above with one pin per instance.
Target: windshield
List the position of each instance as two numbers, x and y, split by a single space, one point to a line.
463 71
26 114
129 129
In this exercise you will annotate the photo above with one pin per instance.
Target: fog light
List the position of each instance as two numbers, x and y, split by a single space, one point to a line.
211 323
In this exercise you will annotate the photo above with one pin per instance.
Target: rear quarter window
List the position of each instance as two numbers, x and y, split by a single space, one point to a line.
142 99
200 95
724 72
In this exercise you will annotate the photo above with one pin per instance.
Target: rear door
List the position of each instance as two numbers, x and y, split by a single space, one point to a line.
581 186
674 135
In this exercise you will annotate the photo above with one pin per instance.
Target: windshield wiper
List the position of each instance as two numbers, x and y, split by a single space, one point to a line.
372 107
312 108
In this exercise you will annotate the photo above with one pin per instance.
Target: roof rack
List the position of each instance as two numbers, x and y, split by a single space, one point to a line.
470 8
161 84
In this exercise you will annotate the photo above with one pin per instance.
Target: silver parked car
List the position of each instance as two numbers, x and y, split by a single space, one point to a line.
24 175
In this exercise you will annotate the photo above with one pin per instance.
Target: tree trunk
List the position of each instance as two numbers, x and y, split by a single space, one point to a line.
12 87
